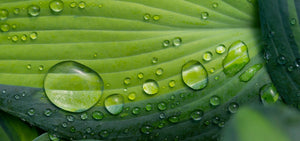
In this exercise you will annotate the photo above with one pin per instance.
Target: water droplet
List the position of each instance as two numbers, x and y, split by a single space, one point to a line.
28 66
13 26
33 10
48 112
162 106
16 11
173 119
73 129
3 14
70 118
293 21
249 73
140 75
216 120
166 43
84 116
156 17
194 75
4 91
159 71
104 133
215 5
100 5
64 125
97 115
269 94
204 15
132 96
15 38
197 115
290 68
177 41
72 86
114 104
147 17
207 56
220 49
56 6
136 110
23 94
172 84
88 130
148 107
162 116
17 97
41 68
221 124
53 137
24 37
215 101
33 35
236 59
73 4
127 81
281 60
233 107
146 129
154 60
31 112
150 87
161 125
4 27
81 4
206 122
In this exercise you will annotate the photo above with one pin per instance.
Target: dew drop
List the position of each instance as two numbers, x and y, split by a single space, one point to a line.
148 107
194 75
127 81
100 5
215 101
156 17
236 58
172 84
269 94
88 130
84 116
41 68
104 133
281 60
166 43
162 116
220 49
5 27
31 112
48 112
204 15
159 71
13 26
17 97
151 87
114 104
97 115
33 10
290 68
16 11
28 66
140 75
147 17
162 106
70 118
215 5
64 125
73 129
24 37
136 110
56 6
177 41
173 119
197 115
249 73
233 107
72 86
3 14
82 5
73 4
154 60
293 21
33 36
146 129
132 96
15 38
207 56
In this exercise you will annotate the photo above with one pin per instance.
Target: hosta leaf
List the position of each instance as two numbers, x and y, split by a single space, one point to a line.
137 49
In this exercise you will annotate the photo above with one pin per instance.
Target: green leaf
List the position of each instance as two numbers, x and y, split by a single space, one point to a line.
138 49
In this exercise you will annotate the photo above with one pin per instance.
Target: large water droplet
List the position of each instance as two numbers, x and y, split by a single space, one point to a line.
236 58
3 14
56 6
197 115
4 27
114 104
33 35
166 43
269 94
150 87
220 49
72 86
33 10
194 75
15 38
249 73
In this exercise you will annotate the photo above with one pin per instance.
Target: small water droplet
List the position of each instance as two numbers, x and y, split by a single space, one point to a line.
88 130
162 106
73 4
56 6
162 116
194 75
73 129
216 120
166 43
28 66
31 112
293 21
136 110
236 59
173 119
154 60
3 14
33 10
290 68
233 107
215 101
114 104
140 75
33 36
72 86
281 60
215 5
197 115
269 94
146 129
48 112
82 5
23 94
132 96
17 97
148 107
156 17
207 56
13 26
24 37
177 41
15 38
206 122
221 124
151 87
220 49
127 81
159 71
104 133
70 118
84 116
100 5
97 115
17 11
5 27
204 15
41 68
64 125
147 17
172 84
53 137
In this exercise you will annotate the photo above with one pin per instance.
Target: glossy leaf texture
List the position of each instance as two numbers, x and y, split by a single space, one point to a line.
161 63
